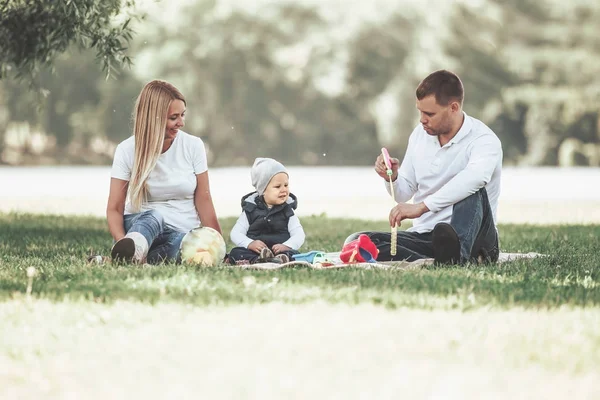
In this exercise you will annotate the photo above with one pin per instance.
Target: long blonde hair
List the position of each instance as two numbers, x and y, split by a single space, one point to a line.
149 124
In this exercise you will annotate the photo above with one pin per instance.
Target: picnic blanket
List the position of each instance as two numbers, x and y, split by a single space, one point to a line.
335 264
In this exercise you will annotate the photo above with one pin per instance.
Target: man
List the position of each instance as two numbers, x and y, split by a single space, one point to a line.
452 167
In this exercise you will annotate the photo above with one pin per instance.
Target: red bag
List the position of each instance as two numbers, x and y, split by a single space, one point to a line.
359 250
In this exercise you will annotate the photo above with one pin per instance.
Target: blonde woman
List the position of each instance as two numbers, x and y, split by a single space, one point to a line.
159 188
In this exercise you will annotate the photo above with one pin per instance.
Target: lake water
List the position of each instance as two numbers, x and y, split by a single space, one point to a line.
529 195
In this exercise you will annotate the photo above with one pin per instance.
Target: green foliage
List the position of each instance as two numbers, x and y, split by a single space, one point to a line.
378 52
287 82
58 247
537 86
79 106
249 95
35 32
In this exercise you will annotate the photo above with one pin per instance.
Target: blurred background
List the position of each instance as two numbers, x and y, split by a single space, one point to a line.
323 83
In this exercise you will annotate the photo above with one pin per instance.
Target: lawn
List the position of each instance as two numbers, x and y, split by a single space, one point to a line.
91 331
58 246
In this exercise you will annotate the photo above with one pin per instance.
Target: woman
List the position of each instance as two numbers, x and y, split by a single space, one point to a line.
162 172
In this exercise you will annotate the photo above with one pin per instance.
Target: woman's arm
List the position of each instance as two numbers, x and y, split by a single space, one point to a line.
204 204
116 207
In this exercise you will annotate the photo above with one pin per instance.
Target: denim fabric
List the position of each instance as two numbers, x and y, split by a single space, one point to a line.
472 220
163 239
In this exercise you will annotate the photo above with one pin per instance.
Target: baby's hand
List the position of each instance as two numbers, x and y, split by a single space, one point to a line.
280 248
256 246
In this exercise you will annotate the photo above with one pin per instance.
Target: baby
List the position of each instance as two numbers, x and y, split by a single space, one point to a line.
267 230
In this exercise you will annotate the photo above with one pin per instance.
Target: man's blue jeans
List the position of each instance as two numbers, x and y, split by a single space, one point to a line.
473 221
163 239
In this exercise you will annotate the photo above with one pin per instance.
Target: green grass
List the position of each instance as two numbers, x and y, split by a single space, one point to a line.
57 247
171 331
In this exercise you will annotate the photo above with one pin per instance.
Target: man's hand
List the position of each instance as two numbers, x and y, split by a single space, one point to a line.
406 211
381 169
280 248
256 246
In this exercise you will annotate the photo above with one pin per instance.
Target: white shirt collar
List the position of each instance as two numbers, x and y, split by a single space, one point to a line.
462 132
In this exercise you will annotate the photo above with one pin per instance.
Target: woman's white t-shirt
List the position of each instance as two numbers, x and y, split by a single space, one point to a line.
172 183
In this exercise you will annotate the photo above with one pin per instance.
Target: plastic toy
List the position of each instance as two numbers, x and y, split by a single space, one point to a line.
359 250
394 229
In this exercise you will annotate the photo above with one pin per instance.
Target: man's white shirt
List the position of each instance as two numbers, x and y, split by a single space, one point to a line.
441 176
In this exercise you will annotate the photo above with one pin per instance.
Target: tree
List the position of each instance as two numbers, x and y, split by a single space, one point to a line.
250 85
475 43
556 56
35 32
537 87
80 107
378 74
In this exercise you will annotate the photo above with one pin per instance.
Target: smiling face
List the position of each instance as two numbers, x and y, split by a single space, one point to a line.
175 119
277 191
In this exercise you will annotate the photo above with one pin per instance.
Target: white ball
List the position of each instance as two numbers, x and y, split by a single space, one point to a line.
203 246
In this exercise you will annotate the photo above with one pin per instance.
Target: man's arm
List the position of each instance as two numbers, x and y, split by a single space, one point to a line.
485 154
405 182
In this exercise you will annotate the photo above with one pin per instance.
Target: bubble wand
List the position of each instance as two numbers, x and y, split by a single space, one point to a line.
394 229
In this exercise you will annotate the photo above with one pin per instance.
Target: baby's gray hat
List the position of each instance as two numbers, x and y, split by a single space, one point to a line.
262 171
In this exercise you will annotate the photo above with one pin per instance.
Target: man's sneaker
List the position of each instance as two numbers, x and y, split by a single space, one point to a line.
446 245
265 254
283 257
132 248
486 256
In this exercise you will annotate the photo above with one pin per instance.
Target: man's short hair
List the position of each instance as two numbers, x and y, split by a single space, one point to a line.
445 85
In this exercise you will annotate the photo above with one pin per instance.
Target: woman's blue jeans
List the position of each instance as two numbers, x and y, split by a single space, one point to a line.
163 239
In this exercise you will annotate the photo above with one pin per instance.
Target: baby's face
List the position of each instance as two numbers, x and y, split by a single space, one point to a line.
277 191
